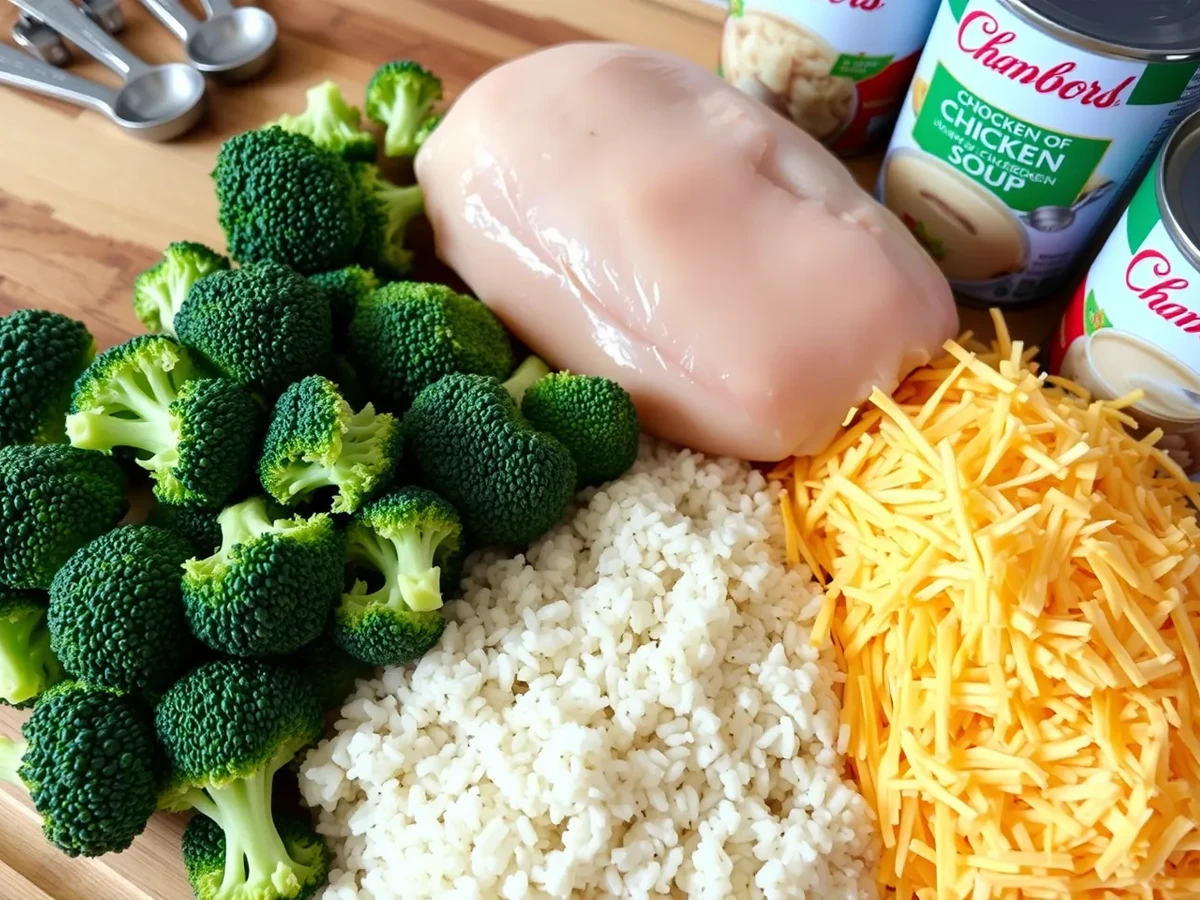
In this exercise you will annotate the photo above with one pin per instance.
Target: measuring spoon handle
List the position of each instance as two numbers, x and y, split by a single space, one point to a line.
21 70
174 16
72 23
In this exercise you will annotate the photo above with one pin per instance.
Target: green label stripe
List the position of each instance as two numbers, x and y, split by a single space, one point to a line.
1025 165
957 7
849 65
1094 318
1142 215
1162 83
737 7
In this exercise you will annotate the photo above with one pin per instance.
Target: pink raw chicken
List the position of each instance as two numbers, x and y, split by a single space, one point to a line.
628 214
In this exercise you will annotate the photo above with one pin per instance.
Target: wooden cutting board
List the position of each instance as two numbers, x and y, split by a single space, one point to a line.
84 208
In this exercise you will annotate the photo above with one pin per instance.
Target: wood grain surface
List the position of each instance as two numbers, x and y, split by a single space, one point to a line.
84 208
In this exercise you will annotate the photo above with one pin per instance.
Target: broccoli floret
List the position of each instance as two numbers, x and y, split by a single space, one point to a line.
41 355
510 482
204 855
270 587
345 288
91 766
53 499
408 334
159 291
427 128
261 325
195 436
27 664
593 417
284 199
387 210
332 123
116 610
399 542
316 441
196 525
332 673
227 728
345 376
400 96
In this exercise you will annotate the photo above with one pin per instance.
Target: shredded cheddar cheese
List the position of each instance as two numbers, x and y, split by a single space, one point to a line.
1013 579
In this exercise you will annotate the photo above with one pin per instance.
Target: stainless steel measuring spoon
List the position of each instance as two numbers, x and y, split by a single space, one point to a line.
155 102
21 70
235 43
46 44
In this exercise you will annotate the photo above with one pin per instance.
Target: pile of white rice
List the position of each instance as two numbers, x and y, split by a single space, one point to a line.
632 709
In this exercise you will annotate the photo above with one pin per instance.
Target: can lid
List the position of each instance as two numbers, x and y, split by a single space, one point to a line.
1160 30
1179 187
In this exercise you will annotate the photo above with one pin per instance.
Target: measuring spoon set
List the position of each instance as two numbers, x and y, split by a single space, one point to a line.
155 102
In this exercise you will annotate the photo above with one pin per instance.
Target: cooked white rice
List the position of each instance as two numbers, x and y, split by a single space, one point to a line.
631 710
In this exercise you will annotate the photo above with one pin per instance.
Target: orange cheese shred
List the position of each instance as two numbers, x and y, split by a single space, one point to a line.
1013 581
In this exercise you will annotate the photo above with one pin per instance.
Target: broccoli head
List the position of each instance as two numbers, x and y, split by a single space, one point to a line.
227 727
510 482
398 542
270 587
195 436
196 525
116 610
408 334
332 673
159 291
261 325
53 499
41 355
400 96
345 288
593 417
331 123
316 441
387 210
27 664
281 198
91 766
205 853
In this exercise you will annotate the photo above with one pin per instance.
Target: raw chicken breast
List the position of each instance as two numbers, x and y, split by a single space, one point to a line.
628 214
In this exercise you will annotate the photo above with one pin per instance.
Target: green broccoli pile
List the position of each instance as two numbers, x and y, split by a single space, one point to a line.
325 440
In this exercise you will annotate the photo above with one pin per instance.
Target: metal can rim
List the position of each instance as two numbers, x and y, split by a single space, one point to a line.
1169 158
1100 46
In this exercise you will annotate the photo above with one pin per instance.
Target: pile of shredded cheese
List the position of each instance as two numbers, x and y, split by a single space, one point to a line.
1014 580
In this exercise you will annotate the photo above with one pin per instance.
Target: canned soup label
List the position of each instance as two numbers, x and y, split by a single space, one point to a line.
1141 283
1015 144
838 68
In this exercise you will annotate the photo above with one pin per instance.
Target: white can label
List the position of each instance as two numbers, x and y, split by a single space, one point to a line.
1013 147
837 68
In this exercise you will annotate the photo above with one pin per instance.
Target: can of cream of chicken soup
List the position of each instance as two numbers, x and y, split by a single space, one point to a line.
1025 121
1134 323
837 68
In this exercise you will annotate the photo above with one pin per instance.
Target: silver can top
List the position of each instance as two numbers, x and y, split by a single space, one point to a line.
1179 187
1153 30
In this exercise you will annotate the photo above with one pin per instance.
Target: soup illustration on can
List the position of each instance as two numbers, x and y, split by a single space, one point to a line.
837 68
1024 124
1134 322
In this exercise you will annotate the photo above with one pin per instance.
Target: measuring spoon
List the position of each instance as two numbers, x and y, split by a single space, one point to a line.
155 102
24 71
234 43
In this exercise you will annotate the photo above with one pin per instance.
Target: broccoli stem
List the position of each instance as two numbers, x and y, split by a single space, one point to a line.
359 445
526 374
27 665
405 559
11 752
148 395
403 204
255 855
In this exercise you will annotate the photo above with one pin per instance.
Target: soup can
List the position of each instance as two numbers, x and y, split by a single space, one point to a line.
1025 123
1134 322
837 68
